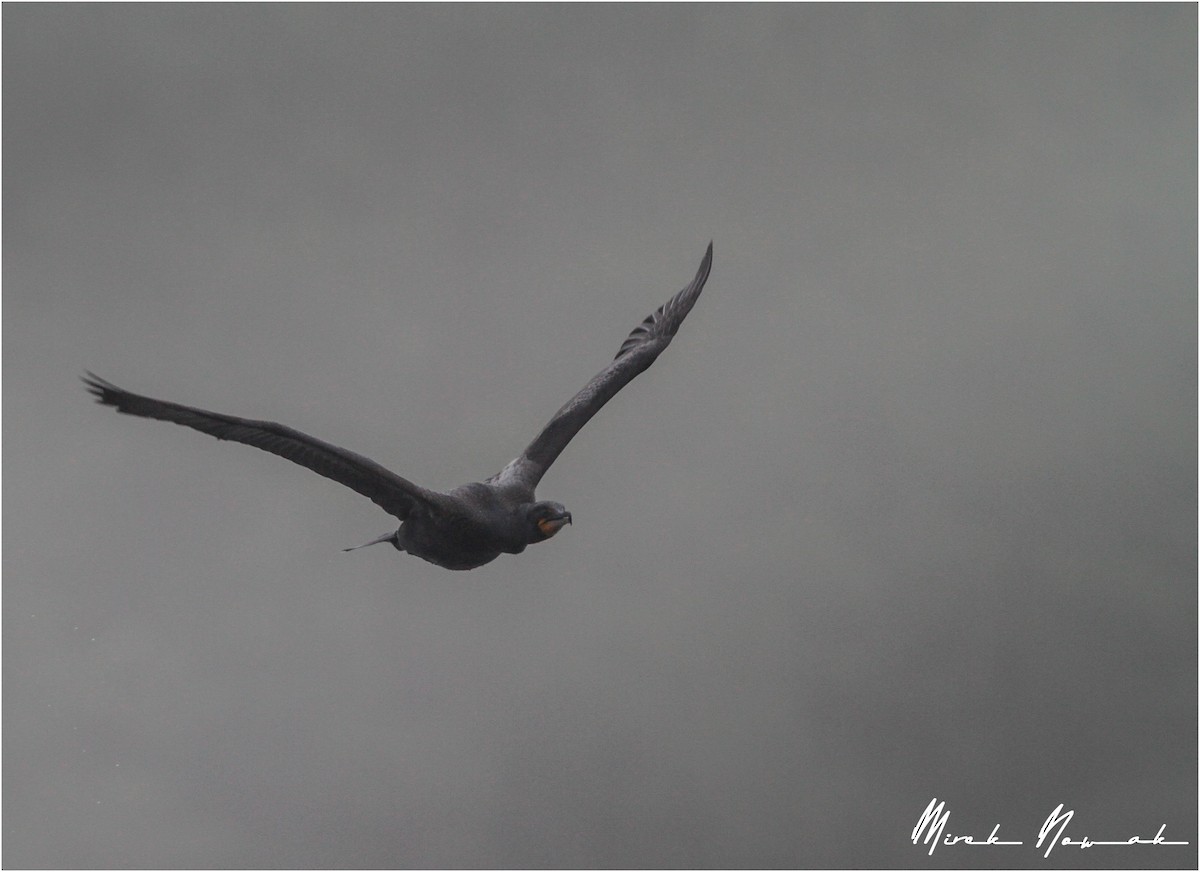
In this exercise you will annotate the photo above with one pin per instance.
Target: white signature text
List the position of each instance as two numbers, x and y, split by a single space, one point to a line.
931 828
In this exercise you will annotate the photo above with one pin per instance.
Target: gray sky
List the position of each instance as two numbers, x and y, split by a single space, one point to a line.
907 510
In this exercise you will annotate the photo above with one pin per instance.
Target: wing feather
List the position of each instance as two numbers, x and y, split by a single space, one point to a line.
638 351
393 494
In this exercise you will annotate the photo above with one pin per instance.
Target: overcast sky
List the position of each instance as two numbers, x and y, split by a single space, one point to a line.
908 509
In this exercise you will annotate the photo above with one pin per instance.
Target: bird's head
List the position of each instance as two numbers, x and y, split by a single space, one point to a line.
545 519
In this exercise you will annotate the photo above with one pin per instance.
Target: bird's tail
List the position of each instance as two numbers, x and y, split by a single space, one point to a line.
386 537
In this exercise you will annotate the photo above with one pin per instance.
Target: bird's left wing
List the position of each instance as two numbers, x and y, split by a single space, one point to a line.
638 351
393 494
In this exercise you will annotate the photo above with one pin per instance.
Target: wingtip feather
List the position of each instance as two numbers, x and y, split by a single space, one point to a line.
96 386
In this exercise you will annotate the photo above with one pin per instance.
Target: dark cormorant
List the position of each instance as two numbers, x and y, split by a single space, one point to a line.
473 524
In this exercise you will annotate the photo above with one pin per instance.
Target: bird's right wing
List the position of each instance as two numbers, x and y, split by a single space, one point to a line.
638 351
393 494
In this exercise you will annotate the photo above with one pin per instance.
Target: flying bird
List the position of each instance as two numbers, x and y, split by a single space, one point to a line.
472 524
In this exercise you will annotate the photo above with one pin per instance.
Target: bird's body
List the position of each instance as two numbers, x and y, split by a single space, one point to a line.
479 526
472 524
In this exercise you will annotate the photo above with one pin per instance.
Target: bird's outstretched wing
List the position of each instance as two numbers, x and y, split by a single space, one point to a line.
389 491
643 346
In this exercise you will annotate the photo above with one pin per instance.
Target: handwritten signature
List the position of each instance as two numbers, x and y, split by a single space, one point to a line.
932 824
